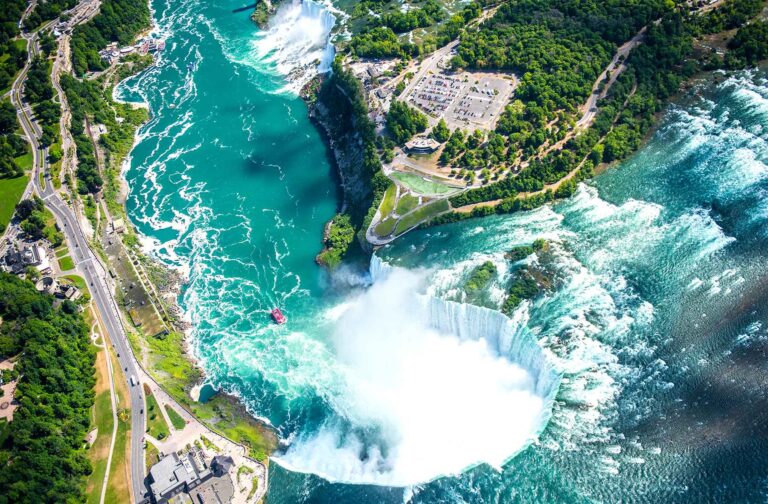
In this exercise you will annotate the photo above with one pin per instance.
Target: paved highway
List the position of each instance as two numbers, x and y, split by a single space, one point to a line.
87 264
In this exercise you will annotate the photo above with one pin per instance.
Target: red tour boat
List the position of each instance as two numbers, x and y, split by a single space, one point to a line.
278 316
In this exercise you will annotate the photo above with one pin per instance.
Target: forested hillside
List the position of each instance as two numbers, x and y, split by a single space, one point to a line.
42 459
12 53
654 71
45 11
118 21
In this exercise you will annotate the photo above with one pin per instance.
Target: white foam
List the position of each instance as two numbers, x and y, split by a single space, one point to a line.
418 371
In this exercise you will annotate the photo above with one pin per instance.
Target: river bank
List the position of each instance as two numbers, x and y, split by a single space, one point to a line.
168 357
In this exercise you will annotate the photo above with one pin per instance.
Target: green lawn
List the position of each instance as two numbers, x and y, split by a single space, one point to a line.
151 456
385 227
66 263
51 232
117 488
156 425
78 281
62 251
25 161
176 419
420 215
11 190
102 412
388 203
55 149
407 203
421 185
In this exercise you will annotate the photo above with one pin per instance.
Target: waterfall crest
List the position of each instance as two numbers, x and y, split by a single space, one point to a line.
509 337
430 388
297 44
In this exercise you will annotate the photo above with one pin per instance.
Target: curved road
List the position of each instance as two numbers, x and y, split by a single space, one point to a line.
86 262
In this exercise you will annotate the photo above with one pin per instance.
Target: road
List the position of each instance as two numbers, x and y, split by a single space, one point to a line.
616 67
86 262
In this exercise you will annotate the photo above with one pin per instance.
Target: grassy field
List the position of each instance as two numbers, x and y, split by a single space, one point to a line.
51 233
156 426
151 456
118 488
101 417
176 419
420 215
407 203
423 186
25 161
10 194
388 203
385 227
55 149
66 263
176 373
78 281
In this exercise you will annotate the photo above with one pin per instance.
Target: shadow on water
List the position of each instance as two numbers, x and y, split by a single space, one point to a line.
713 427
246 8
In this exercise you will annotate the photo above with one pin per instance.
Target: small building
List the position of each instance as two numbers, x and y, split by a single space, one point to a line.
69 292
221 464
375 71
35 255
118 226
422 145
47 285
13 262
174 475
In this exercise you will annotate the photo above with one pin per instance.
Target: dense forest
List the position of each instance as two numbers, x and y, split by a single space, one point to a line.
89 101
118 21
403 122
420 17
558 48
42 451
11 144
379 37
12 52
46 11
39 92
346 119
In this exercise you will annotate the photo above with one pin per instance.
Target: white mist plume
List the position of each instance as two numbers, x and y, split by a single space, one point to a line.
297 42
423 402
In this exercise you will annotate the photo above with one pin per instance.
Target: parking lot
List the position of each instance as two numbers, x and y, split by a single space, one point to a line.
468 100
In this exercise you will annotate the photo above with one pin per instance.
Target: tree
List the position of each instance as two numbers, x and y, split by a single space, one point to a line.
403 122
8 121
440 132
32 273
34 225
24 208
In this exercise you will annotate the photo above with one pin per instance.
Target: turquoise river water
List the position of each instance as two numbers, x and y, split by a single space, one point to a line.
638 375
